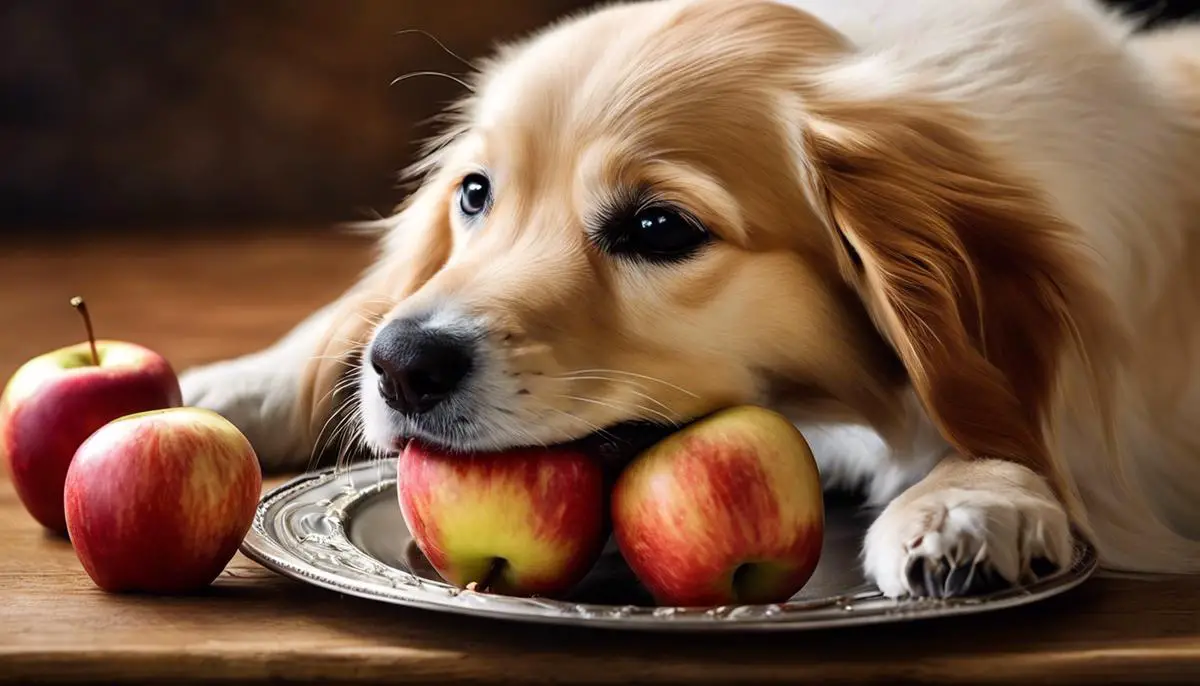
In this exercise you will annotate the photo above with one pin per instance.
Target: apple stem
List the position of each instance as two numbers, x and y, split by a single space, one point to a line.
78 303
493 573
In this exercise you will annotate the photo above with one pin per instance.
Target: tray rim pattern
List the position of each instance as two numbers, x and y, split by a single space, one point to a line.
328 559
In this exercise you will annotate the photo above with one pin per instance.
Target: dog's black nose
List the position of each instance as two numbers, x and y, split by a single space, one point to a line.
418 368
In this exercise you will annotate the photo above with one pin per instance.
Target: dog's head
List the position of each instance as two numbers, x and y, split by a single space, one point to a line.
660 209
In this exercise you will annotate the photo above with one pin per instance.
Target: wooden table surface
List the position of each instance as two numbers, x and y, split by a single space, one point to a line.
198 295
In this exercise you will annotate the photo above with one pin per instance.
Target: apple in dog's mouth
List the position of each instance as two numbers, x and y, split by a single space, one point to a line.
521 521
724 510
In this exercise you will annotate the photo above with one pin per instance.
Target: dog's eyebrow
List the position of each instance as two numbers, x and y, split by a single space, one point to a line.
431 155
701 194
611 177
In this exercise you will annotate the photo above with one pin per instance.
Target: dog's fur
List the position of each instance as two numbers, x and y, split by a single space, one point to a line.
958 246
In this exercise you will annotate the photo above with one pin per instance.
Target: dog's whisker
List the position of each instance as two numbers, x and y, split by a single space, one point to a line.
351 380
341 466
334 437
319 445
336 359
675 422
660 403
590 401
345 423
441 74
381 299
637 406
631 384
370 321
581 420
635 375
356 347
441 45
348 446
339 433
348 381
596 378
529 435
359 441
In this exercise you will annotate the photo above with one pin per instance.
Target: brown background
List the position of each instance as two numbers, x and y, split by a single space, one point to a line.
120 113
147 112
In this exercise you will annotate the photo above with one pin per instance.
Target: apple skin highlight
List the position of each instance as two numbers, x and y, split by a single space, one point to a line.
539 514
728 511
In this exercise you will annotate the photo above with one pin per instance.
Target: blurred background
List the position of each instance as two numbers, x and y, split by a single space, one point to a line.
133 113
121 114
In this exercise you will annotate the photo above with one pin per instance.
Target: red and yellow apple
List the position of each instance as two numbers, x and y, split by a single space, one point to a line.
521 522
58 399
729 510
158 502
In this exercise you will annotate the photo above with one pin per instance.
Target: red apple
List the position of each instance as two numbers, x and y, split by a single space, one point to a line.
522 522
728 510
158 502
58 399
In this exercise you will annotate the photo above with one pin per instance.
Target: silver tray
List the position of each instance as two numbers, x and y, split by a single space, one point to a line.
342 530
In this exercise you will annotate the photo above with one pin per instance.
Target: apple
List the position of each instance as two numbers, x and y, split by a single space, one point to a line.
159 501
728 510
56 400
522 522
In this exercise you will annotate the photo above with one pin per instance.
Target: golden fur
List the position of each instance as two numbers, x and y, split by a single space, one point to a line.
568 310
879 242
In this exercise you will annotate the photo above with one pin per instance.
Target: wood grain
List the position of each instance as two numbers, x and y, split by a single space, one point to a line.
200 296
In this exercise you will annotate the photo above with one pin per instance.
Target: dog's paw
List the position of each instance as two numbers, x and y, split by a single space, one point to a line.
970 541
259 401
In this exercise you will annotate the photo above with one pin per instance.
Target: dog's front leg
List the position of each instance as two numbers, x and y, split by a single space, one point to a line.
259 393
969 527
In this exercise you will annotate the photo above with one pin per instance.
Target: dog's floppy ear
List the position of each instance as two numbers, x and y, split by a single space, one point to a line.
415 245
979 287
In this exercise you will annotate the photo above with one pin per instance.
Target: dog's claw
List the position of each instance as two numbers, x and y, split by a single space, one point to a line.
1042 567
943 578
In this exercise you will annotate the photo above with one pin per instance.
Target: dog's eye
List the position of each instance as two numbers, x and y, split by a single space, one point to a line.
474 194
656 233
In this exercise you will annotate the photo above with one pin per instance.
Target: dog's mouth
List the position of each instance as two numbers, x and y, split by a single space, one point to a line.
616 447
613 448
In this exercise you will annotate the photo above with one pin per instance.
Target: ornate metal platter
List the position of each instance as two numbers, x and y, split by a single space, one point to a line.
343 531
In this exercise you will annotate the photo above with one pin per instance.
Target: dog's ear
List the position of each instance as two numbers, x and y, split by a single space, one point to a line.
415 244
979 287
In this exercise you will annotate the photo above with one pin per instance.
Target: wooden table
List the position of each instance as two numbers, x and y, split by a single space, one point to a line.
198 295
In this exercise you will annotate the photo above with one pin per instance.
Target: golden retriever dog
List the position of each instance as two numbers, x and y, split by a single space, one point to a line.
957 243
